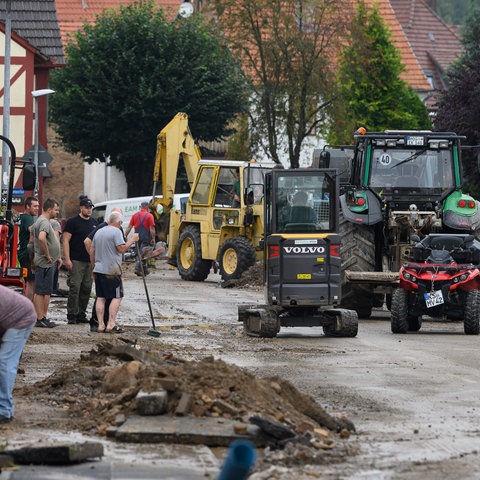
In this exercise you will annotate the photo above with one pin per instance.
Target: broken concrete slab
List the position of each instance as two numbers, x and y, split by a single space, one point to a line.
210 431
65 454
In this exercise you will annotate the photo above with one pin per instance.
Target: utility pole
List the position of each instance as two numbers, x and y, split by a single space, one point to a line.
6 110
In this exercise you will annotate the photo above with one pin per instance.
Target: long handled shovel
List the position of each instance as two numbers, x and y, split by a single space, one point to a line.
153 332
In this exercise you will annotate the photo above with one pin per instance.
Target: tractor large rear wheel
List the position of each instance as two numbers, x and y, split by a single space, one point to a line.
190 263
357 252
235 256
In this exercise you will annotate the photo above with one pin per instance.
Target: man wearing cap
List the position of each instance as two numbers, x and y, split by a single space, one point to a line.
77 261
144 225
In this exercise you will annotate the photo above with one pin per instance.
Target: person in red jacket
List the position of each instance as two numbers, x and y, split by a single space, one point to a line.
144 224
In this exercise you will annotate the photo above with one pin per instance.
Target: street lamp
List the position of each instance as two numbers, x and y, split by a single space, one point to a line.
36 94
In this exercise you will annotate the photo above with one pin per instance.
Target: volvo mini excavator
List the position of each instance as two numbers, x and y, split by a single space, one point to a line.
302 264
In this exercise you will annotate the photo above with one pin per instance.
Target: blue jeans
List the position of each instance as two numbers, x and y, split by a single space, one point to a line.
11 348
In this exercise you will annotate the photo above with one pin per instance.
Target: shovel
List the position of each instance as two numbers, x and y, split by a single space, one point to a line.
153 332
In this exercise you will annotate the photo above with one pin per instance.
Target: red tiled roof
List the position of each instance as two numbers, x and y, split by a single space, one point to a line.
436 45
413 73
72 14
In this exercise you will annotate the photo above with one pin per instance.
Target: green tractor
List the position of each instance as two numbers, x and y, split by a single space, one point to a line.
400 183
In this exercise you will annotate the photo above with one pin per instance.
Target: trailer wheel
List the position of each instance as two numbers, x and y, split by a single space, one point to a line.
399 313
471 320
236 255
190 263
357 252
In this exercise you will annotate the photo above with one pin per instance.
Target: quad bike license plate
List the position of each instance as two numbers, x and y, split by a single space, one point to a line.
433 299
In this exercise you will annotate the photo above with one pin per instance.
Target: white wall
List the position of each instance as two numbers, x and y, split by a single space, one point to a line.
100 189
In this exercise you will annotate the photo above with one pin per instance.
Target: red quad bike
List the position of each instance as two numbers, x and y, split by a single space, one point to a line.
443 280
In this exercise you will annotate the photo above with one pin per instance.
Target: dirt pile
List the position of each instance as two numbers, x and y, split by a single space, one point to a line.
251 278
106 380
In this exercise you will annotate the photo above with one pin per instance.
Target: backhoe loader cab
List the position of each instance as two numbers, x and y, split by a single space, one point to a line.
301 256
223 221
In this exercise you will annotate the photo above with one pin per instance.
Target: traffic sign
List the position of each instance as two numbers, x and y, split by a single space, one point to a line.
44 158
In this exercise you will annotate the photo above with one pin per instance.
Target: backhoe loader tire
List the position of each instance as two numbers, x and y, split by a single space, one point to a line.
236 255
357 252
190 263
471 320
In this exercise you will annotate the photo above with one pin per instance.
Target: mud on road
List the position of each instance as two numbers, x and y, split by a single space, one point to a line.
387 386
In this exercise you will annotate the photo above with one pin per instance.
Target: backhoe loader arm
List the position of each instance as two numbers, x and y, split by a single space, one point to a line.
173 141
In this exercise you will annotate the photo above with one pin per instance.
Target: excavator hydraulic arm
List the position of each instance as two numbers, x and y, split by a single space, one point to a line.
173 142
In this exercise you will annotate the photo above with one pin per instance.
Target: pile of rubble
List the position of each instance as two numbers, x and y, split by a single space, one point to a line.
251 278
104 387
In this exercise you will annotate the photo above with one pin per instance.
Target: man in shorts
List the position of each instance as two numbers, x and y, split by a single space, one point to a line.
26 221
106 251
47 254
88 244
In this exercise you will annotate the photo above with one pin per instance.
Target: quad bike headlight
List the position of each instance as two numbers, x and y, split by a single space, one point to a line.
409 277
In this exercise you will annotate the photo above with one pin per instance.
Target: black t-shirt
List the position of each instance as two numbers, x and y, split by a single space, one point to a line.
79 228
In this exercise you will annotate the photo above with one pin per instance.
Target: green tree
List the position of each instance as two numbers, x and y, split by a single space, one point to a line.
128 74
372 94
454 13
459 105
286 49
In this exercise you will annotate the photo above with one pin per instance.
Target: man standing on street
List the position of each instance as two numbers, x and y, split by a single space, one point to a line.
88 244
17 319
47 253
77 262
144 225
106 251
26 221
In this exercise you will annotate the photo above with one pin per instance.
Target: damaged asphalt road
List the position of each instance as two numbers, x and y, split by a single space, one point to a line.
412 398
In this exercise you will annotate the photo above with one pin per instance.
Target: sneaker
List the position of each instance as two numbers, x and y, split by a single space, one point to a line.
71 319
82 319
45 323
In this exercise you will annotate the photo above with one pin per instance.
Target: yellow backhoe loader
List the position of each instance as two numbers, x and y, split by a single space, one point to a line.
223 222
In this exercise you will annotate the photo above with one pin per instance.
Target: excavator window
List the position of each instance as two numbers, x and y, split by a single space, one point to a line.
201 194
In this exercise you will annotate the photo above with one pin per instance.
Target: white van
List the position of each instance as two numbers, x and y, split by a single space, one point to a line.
130 206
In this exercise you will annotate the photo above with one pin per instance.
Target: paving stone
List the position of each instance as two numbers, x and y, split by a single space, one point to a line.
151 403
184 405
